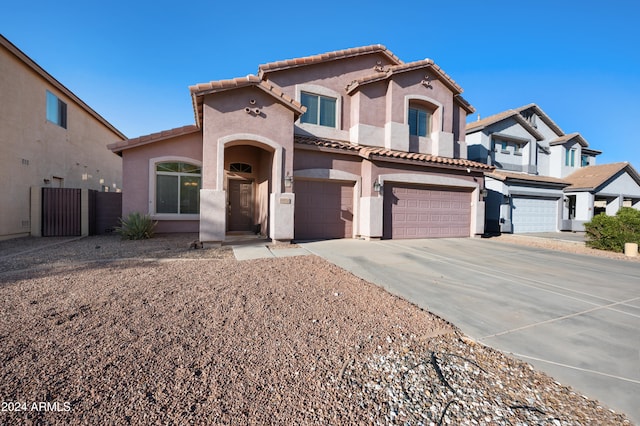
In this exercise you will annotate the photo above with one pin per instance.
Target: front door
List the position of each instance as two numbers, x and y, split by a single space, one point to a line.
240 205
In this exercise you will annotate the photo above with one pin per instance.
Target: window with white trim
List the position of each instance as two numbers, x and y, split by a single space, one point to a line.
178 188
584 160
56 110
321 110
570 157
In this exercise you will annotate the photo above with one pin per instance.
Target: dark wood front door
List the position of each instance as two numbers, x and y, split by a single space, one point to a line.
240 205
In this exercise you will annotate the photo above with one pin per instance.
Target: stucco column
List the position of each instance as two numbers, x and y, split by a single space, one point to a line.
281 209
371 212
213 214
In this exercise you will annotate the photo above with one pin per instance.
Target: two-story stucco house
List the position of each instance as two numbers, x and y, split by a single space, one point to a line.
545 180
49 138
350 143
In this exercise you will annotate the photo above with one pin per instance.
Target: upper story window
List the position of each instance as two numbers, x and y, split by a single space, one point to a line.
584 160
177 188
321 110
570 157
56 110
419 121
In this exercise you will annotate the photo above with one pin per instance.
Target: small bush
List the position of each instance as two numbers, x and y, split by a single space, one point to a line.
136 227
612 232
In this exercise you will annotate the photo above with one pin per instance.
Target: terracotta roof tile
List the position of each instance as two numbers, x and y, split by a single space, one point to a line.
400 68
592 177
198 91
324 57
373 152
502 176
118 147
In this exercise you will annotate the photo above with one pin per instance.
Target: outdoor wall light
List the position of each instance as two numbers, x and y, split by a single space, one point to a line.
484 192
377 187
288 181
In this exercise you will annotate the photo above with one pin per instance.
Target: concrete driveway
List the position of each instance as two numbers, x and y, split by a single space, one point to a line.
574 317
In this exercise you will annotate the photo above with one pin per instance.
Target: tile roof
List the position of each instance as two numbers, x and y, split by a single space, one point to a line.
198 91
592 177
502 176
325 57
543 115
401 68
55 83
478 125
377 153
118 147
566 138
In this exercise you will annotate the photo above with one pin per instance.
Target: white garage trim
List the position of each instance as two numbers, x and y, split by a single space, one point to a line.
439 181
534 214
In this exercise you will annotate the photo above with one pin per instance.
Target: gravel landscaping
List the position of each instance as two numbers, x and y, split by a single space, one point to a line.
104 331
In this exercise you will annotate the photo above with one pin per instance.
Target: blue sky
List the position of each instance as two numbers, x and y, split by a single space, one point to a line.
134 60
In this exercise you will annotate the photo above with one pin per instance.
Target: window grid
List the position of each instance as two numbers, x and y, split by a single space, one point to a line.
178 188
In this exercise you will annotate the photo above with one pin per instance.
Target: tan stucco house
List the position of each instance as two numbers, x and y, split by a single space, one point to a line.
49 138
350 143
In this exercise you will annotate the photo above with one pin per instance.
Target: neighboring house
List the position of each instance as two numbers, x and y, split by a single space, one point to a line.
351 143
49 137
539 181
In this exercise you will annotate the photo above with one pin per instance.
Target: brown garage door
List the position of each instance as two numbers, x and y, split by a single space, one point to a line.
413 211
324 209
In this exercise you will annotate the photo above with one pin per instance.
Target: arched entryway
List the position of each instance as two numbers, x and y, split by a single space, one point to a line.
248 179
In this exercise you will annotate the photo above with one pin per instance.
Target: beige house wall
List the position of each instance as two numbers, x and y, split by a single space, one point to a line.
36 152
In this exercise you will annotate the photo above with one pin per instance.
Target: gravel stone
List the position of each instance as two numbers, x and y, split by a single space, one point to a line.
104 331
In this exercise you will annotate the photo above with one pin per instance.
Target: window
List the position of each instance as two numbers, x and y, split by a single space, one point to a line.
177 188
517 149
504 146
570 158
419 122
321 110
56 110
584 160
240 168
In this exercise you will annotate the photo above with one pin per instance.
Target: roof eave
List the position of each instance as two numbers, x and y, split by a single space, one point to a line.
13 49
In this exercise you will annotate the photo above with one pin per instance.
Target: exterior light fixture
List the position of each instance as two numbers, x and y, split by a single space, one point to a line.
484 192
377 187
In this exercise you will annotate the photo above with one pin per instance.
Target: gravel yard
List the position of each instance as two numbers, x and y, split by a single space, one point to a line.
103 331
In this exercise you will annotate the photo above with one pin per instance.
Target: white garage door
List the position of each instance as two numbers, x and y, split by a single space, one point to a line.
413 211
534 215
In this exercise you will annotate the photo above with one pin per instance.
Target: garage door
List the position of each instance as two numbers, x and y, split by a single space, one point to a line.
324 209
412 211
534 215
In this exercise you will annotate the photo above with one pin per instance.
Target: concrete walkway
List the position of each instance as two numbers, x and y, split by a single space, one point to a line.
572 316
262 250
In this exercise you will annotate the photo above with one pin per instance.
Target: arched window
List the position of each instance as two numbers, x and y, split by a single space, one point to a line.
240 168
177 188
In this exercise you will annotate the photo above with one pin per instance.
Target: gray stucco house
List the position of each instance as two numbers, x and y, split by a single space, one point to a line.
545 180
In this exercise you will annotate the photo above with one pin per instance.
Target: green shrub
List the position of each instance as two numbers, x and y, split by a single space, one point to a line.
136 227
612 232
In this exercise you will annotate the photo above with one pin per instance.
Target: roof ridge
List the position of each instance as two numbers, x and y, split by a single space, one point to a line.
327 56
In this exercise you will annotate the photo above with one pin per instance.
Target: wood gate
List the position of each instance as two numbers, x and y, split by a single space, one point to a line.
61 212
